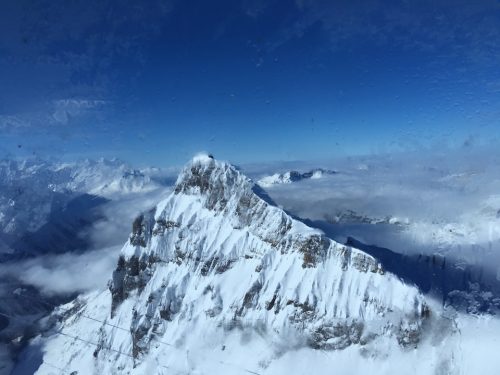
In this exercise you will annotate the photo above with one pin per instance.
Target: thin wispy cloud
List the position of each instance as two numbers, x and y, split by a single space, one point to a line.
60 60
470 29
66 109
9 122
58 112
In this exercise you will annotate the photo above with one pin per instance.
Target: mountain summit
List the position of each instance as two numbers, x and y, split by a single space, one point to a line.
216 267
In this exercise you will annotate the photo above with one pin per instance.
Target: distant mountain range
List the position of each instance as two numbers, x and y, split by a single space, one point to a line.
31 192
293 176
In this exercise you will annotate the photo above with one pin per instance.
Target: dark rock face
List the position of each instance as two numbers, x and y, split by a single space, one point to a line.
314 250
163 225
251 298
116 285
336 336
197 178
365 263
303 312
208 266
474 300
275 301
144 328
243 211
142 229
139 345
216 264
130 274
296 176
200 179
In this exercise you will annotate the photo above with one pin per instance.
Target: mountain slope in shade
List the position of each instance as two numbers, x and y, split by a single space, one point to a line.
30 191
293 176
215 267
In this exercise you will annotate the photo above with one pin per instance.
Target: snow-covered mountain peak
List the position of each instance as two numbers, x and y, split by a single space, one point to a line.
215 259
204 174
216 191
203 158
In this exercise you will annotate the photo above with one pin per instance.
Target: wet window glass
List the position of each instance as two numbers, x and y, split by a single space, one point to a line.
248 186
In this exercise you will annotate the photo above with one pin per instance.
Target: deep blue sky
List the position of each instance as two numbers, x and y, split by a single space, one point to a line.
153 82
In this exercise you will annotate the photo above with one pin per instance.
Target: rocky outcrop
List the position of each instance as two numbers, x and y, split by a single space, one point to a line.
130 274
142 229
314 249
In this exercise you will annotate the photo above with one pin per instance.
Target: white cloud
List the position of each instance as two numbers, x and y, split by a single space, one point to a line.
59 112
11 122
65 273
65 109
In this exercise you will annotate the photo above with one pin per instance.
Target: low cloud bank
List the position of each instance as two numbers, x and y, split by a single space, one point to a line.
85 269
444 201
437 201
65 274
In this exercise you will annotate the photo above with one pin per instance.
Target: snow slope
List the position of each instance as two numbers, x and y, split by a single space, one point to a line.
216 267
